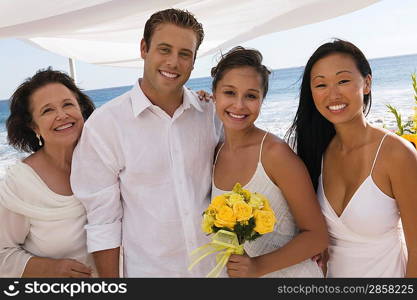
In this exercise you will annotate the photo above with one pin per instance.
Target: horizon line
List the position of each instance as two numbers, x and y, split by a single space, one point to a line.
272 70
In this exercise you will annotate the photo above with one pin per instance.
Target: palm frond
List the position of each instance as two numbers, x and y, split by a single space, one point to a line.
397 115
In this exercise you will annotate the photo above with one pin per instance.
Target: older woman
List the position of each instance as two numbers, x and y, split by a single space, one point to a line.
42 224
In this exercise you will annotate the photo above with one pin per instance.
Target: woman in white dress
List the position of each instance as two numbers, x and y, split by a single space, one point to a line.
42 224
263 163
365 177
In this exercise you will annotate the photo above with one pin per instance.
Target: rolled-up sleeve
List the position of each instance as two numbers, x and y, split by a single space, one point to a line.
13 231
94 181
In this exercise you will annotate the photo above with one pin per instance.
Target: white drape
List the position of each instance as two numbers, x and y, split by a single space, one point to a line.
107 32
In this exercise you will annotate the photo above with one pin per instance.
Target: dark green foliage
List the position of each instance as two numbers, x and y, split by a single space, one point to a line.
245 232
254 236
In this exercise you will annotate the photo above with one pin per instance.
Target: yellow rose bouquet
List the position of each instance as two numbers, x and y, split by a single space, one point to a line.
233 218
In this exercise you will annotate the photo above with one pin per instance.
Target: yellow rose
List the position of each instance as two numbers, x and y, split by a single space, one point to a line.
233 199
246 194
237 188
264 220
211 211
242 211
256 201
207 223
267 207
217 202
225 217
228 194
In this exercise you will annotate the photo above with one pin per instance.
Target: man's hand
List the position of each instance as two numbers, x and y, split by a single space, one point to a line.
321 259
203 95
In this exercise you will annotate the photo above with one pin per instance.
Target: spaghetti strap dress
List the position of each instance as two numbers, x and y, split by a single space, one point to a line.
285 228
366 239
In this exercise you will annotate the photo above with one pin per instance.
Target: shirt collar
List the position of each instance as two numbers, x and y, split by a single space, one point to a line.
140 102
191 98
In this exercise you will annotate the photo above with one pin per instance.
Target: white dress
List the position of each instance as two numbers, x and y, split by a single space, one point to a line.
285 228
366 239
35 221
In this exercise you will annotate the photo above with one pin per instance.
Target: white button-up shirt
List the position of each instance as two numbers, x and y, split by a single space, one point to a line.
145 178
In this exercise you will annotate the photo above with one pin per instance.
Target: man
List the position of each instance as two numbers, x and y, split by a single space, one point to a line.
142 167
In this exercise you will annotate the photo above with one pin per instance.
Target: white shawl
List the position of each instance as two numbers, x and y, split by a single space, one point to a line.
23 192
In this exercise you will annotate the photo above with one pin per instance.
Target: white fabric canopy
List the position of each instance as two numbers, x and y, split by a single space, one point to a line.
107 32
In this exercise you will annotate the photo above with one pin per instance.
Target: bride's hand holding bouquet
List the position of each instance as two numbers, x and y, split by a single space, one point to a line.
234 218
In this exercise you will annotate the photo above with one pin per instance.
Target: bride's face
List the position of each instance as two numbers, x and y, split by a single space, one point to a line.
238 97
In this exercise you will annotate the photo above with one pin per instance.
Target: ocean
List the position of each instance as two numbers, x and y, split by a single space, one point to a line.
391 85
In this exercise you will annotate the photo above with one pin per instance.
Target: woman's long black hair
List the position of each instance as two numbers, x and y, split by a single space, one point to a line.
311 133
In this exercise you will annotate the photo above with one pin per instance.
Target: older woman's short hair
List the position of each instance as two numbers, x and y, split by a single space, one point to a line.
19 124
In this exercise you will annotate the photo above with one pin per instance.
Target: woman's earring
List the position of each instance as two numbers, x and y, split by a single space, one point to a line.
39 138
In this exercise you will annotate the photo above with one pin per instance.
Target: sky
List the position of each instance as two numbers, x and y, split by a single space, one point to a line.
387 28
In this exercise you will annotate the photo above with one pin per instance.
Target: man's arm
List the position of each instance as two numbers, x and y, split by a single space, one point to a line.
94 181
107 262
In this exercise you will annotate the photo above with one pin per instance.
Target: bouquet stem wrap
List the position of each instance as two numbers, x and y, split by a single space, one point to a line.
224 242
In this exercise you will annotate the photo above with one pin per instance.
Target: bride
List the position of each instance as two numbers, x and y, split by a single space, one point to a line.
263 163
